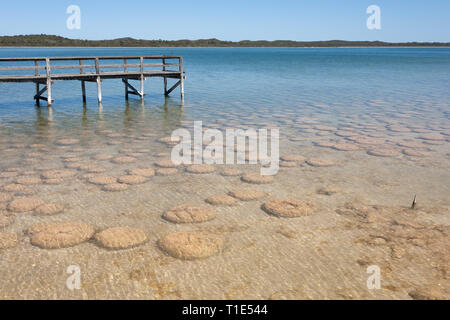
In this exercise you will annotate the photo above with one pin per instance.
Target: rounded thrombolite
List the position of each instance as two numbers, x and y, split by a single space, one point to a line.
221 200
8 240
319 163
91 168
102 157
398 129
324 128
247 194
288 164
29 173
56 235
132 179
123 160
366 140
169 140
434 143
432 138
256 178
230 172
114 143
411 144
288 208
73 165
115 187
5 197
120 237
166 171
49 209
345 147
29 180
58 174
200 168
165 164
19 188
191 245
189 214
414 153
102 180
25 204
6 219
67 142
343 133
293 157
87 176
53 181
71 159
8 174
383 153
144 172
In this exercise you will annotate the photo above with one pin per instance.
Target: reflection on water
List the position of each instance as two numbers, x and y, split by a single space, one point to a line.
357 157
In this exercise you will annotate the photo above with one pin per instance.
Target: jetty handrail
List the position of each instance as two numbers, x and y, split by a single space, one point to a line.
97 66
87 58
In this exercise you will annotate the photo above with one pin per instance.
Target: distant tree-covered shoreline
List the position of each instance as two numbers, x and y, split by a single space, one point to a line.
43 40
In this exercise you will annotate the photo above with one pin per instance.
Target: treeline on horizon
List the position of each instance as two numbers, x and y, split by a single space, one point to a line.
44 40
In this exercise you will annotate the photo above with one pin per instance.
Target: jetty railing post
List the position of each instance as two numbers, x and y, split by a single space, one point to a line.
36 72
142 78
180 59
83 83
49 82
165 78
125 69
99 80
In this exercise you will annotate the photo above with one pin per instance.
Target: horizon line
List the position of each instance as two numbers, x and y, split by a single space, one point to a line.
223 41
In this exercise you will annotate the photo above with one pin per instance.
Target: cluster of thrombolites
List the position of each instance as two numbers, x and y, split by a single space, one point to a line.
182 245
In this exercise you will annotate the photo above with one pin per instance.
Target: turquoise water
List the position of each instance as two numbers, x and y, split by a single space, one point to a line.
347 80
362 131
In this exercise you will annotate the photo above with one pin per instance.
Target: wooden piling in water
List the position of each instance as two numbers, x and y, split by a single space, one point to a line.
181 78
49 82
165 78
83 83
36 72
99 80
142 77
125 69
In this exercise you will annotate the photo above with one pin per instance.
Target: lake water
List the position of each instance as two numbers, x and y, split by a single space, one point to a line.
371 123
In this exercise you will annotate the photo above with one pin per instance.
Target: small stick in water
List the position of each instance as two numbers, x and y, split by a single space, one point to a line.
414 202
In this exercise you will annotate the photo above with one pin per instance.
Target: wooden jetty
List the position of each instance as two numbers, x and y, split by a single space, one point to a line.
93 69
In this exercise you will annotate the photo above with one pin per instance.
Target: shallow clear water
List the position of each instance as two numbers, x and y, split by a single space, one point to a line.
379 116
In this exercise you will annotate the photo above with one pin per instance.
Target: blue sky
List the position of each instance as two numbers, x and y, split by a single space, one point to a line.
401 20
